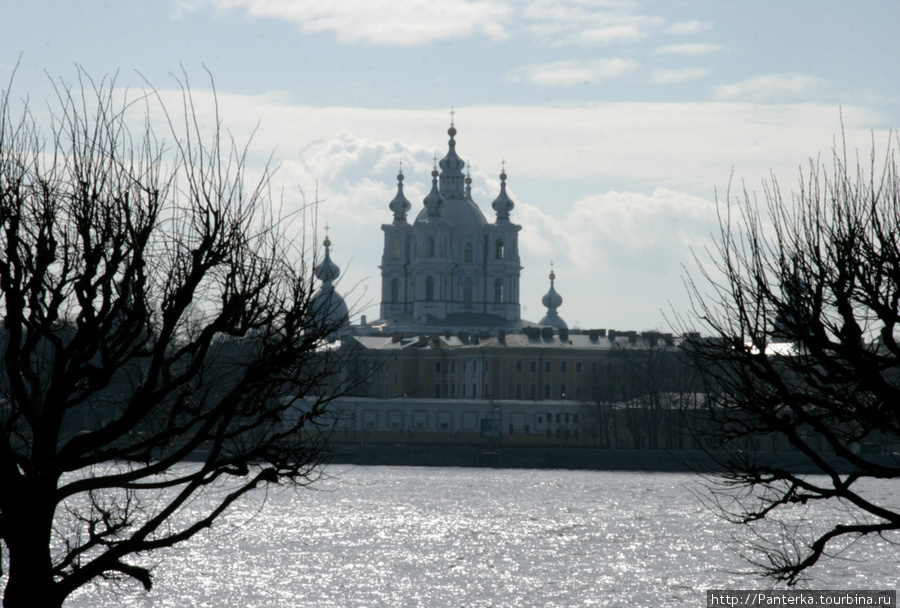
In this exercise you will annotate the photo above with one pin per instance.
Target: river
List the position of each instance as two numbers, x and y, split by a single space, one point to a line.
372 537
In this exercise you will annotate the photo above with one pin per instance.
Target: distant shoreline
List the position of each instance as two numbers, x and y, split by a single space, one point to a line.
571 458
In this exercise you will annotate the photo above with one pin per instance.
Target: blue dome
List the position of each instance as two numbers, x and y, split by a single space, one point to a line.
455 206
552 301
400 205
326 305
329 309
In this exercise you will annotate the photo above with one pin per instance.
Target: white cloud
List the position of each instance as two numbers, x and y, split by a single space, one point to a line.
678 75
696 48
420 22
688 27
568 73
387 22
619 256
772 87
584 24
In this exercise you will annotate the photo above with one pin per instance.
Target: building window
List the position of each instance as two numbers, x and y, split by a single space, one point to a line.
420 420
469 420
563 366
547 367
395 249
444 420
532 392
518 391
394 419
429 289
395 290
468 255
532 366
437 391
518 366
498 249
452 365
562 391
467 293
578 367
437 367
395 377
429 247
546 391
370 419
498 291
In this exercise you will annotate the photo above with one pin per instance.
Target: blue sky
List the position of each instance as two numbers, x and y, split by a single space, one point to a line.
619 121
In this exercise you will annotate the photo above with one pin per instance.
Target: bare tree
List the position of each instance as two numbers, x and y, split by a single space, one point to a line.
802 312
155 310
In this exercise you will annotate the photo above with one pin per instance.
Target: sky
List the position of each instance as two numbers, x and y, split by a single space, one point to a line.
620 123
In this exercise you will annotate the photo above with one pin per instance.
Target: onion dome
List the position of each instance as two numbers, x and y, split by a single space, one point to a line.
452 170
400 205
434 201
327 306
326 270
452 163
450 202
503 204
552 301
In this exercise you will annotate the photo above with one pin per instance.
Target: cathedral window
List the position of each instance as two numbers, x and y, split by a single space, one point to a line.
395 249
468 253
498 249
429 289
395 290
429 247
498 291
467 293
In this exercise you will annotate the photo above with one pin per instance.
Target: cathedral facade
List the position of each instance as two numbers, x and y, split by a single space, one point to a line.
450 266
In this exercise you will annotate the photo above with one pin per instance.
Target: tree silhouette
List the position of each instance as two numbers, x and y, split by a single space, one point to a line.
155 311
802 354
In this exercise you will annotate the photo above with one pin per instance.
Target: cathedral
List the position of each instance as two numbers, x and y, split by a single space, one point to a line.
448 269
449 266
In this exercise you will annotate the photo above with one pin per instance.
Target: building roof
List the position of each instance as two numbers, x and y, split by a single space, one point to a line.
544 338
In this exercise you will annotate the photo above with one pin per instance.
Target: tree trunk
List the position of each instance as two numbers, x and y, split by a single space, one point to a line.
30 582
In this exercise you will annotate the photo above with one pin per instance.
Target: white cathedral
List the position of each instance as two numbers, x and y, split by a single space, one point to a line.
450 268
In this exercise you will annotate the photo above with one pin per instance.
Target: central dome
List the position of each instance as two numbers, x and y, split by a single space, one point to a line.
457 208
